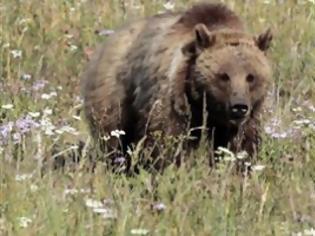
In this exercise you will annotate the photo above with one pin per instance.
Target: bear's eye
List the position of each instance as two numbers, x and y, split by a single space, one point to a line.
224 77
250 78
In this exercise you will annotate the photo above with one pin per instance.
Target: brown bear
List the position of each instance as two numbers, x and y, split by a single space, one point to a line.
164 72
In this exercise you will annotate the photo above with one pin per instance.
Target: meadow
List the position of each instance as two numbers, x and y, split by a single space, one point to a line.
44 45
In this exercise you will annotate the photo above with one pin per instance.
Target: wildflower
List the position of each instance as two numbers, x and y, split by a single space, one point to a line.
24 221
7 106
247 163
47 126
106 213
16 53
106 138
297 109
99 207
39 84
33 187
226 154
48 96
117 133
241 155
159 206
17 138
5 129
106 32
119 160
93 203
26 77
139 231
67 129
73 47
47 111
26 124
258 167
302 122
34 114
169 5
73 191
23 177
310 231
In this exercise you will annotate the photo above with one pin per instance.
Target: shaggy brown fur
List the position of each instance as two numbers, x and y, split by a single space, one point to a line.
156 75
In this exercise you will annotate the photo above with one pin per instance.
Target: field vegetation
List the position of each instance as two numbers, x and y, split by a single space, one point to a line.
44 45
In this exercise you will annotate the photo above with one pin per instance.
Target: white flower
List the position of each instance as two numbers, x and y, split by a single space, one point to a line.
24 221
302 122
23 177
93 203
99 208
7 106
67 129
73 47
106 137
49 132
73 191
106 32
139 231
258 167
226 153
26 77
34 114
310 232
47 111
117 133
169 5
34 187
47 96
16 53
159 206
47 127
297 109
241 155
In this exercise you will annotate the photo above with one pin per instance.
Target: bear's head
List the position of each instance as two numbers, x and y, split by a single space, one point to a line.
231 69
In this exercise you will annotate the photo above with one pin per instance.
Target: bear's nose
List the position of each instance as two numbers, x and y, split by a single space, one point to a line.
238 111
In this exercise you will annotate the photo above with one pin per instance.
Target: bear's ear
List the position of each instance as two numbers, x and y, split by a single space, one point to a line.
263 41
203 39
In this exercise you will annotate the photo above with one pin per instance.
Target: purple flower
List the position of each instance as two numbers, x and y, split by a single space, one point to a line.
5 129
39 84
26 124
119 160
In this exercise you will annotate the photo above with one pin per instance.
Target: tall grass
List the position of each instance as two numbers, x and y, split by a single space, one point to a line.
43 47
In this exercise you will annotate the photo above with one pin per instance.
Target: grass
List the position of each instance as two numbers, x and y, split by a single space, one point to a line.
43 48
